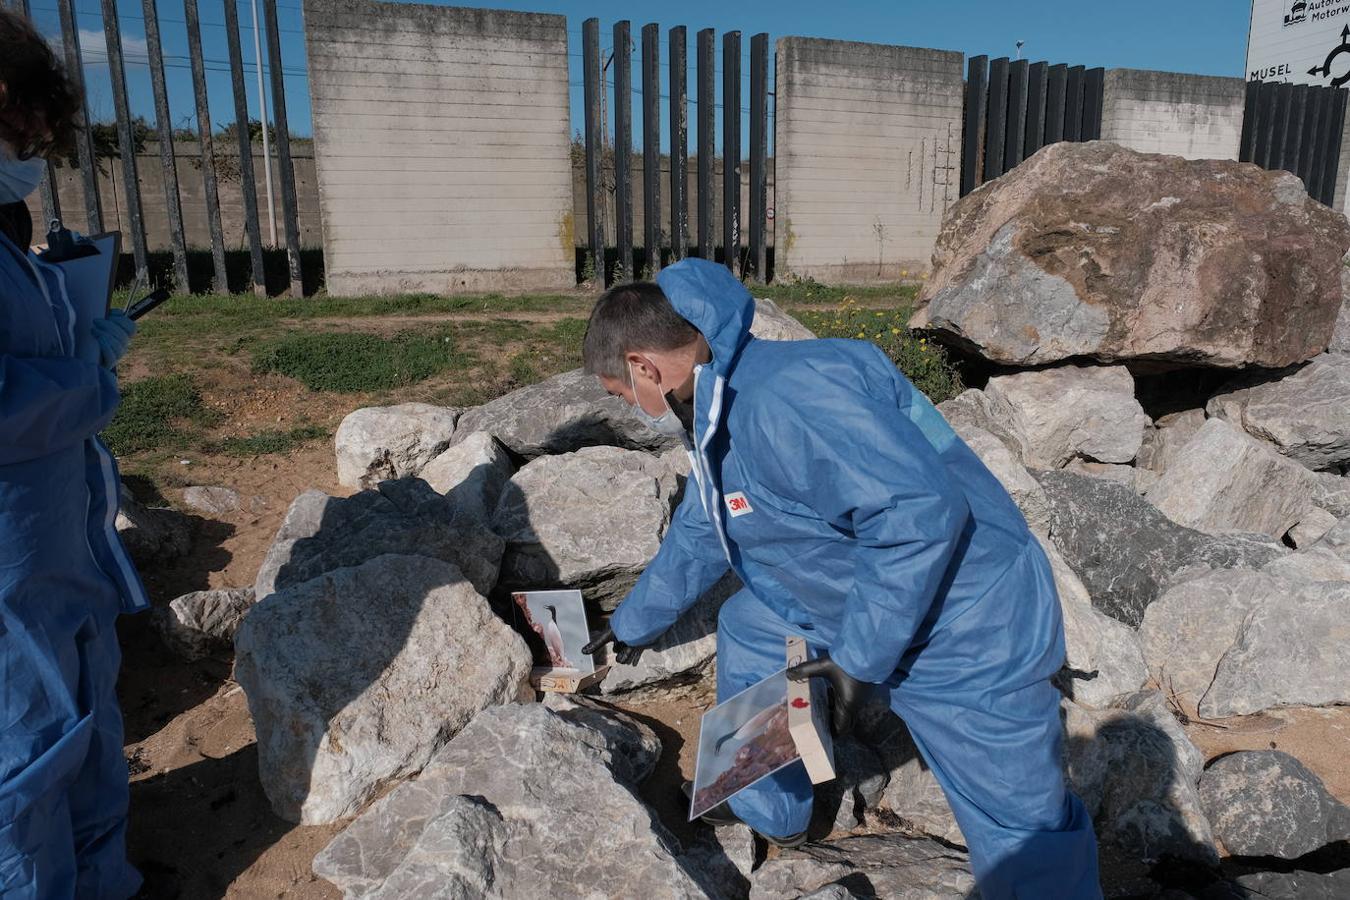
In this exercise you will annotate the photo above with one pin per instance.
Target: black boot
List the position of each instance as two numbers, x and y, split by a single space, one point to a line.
721 814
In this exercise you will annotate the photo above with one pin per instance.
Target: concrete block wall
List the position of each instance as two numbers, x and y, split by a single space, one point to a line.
1195 116
868 147
442 147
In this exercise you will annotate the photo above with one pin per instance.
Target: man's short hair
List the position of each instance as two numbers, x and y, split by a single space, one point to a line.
631 318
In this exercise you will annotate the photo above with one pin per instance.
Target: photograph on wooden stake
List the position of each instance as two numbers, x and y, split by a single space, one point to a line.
558 618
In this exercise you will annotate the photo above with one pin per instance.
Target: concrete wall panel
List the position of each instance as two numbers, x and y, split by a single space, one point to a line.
1195 116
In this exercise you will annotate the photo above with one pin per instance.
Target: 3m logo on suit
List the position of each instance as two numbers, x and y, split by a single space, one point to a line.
738 505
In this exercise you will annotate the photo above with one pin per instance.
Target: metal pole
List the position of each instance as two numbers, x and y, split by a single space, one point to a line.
972 144
247 183
126 140
731 149
651 148
623 150
167 163
707 122
289 206
267 140
595 191
220 283
679 146
84 144
759 151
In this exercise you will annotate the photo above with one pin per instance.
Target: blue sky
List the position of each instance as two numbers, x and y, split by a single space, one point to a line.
1207 37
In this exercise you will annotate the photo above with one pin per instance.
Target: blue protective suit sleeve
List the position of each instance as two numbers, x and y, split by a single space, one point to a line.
50 403
689 562
864 467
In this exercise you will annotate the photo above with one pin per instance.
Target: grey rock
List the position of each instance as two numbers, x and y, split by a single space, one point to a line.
1310 529
559 415
1005 466
556 789
1305 414
1290 652
357 677
723 858
1114 472
1071 412
772 324
590 520
1162 444
1189 628
198 624
321 533
1226 481
878 865
973 408
1332 493
913 794
1094 642
1136 772
1267 803
471 474
1283 886
831 892
683 651
1127 552
1340 335
211 501
860 781
1314 564
152 535
378 443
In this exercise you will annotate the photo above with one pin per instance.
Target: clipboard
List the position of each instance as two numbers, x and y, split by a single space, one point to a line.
89 281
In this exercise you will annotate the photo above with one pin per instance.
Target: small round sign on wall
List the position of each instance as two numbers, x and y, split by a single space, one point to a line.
770 212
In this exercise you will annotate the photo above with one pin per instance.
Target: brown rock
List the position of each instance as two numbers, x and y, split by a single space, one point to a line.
1091 250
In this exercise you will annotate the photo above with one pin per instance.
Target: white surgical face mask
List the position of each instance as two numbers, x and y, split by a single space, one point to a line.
18 177
667 423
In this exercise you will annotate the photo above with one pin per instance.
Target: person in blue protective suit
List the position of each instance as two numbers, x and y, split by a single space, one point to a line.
858 520
64 575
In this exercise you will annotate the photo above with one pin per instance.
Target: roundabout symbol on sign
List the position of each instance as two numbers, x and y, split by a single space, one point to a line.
1324 70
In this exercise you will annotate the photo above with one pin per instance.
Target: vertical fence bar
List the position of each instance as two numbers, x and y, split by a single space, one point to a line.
1056 91
1308 139
1073 104
1035 109
220 284
1293 135
623 149
126 139
731 149
679 146
51 197
1250 108
1312 180
1335 132
977 88
651 147
1094 93
707 123
247 183
595 192
84 143
167 162
759 152
1265 124
1284 97
289 205
1017 114
996 124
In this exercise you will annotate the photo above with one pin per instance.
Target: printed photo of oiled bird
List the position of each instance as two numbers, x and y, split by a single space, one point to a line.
557 621
740 741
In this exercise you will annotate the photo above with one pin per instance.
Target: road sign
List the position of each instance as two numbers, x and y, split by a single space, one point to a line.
1299 41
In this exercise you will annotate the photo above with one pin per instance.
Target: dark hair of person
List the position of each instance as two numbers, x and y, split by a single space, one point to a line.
40 108
628 318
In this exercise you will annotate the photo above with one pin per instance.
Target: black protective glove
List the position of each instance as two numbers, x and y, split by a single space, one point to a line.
849 694
622 653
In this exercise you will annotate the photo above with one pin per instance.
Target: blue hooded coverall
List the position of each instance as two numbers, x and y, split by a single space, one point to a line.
857 519
64 577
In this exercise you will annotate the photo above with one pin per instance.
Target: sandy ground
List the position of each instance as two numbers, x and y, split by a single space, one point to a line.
201 826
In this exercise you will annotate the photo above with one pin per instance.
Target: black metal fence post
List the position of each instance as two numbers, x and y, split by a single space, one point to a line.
679 146
167 162
1308 137
220 284
1321 138
759 152
996 126
1293 135
651 148
289 205
595 191
1056 88
247 183
126 140
1094 94
1035 130
1018 78
1073 104
731 149
1336 122
972 141
707 122
1265 125
84 144
1250 112
623 150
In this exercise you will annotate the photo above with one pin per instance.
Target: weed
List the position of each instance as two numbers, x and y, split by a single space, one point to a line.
265 442
809 292
354 362
153 412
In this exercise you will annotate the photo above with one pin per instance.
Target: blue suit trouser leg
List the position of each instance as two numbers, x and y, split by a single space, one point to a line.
751 645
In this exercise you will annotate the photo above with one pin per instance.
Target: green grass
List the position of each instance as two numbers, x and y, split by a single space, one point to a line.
808 292
268 441
157 413
356 362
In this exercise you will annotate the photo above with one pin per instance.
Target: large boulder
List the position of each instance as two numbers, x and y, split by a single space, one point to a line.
1305 414
1003 463
1311 528
1290 651
1227 481
526 802
1340 336
382 442
1125 551
471 474
974 409
1332 493
772 324
913 793
1136 772
1071 412
359 676
152 535
1327 559
590 520
1283 886
1267 803
211 500
559 415
321 533
1092 250
883 865
1163 443
198 624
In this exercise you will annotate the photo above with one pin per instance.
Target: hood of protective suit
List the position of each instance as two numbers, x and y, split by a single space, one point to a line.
715 302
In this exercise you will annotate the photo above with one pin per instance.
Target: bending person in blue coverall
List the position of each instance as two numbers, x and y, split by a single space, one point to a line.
64 575
858 520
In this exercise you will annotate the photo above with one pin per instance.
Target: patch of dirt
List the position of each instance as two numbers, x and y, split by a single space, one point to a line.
1318 738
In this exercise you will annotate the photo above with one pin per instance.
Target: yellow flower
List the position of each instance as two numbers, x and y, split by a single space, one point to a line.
879 315
862 334
904 273
895 331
